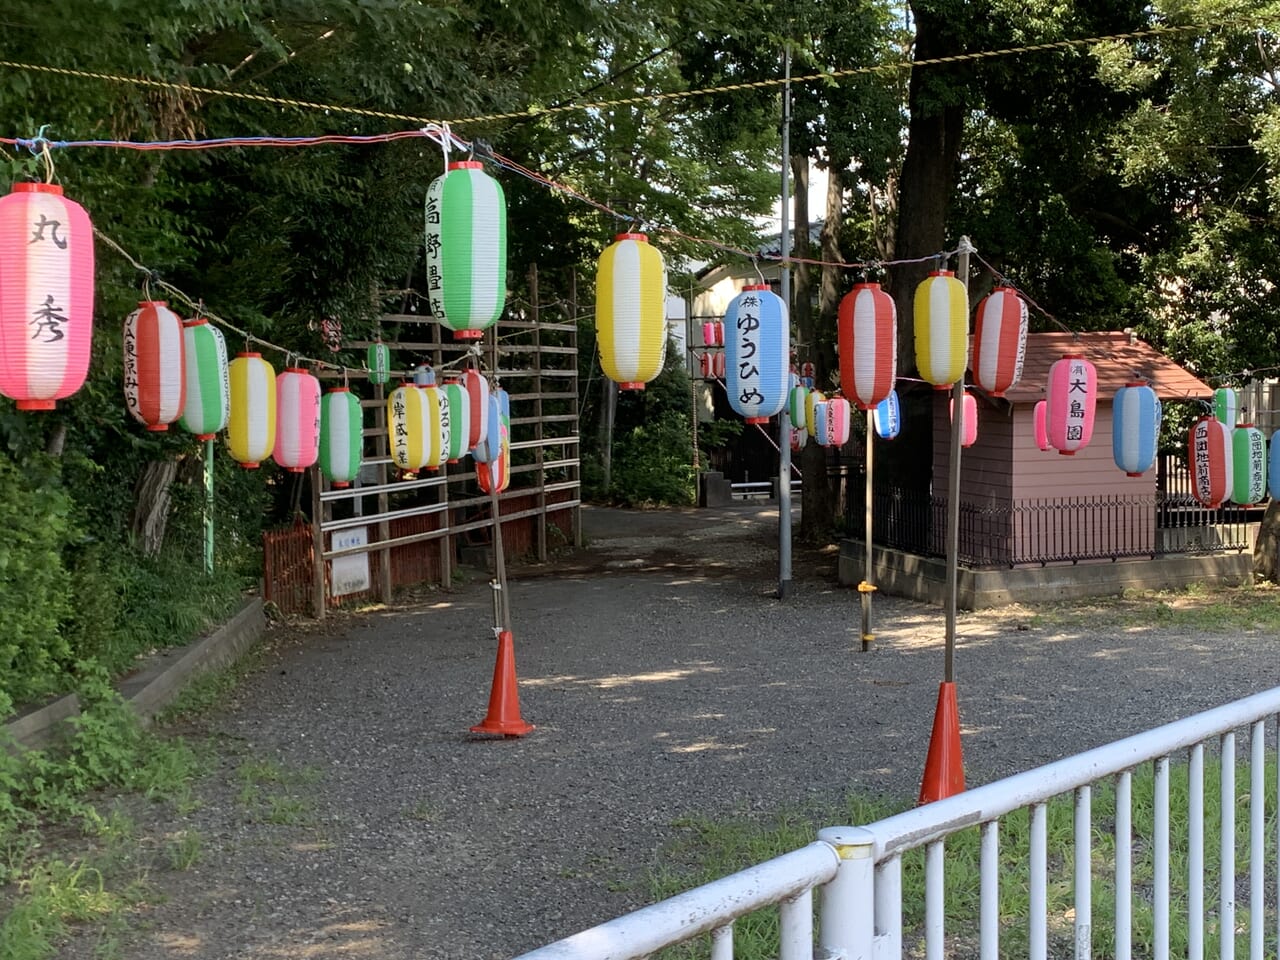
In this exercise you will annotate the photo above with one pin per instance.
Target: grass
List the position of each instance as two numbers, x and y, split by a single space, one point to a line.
1255 607
267 788
713 848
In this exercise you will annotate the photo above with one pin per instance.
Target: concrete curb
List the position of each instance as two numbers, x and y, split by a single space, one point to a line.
158 683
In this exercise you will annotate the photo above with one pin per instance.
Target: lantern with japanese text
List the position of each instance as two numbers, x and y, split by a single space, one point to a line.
379 362
799 437
796 398
437 428
811 402
466 239
941 328
491 446
208 401
46 295
1071 397
837 423
1226 406
341 436
459 407
808 374
820 413
887 417
297 419
757 353
970 418
1041 417
1135 428
1249 465
868 340
494 476
999 340
631 324
155 369
1209 456
407 427
251 426
478 400
1273 467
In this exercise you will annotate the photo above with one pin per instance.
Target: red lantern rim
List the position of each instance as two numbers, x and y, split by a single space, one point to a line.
638 237
465 165
867 285
53 188
296 370
339 390
1137 383
755 286
1073 356
249 354
198 322
1244 426
942 273
154 303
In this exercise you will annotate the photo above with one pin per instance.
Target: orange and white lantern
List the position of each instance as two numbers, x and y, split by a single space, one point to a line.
868 339
155 367
999 340
1209 455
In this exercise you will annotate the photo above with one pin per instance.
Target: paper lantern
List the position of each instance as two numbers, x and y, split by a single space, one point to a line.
341 436
466 240
208 401
407 422
868 336
478 399
811 402
504 404
458 406
379 362
495 475
1226 406
796 403
837 423
808 374
999 340
155 368
1135 428
251 426
713 333
1071 396
46 295
424 376
297 419
1209 456
438 428
1042 426
718 365
887 417
941 328
1273 467
757 353
799 437
820 413
1249 465
490 448
970 424
631 324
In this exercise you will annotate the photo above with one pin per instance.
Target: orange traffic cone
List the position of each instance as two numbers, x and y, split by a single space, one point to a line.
944 766
504 719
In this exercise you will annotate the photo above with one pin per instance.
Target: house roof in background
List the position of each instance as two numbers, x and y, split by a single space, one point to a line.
1120 359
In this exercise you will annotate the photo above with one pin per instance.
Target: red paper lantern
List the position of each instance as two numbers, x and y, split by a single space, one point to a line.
1209 454
868 335
478 399
297 419
999 341
1042 426
1071 396
155 366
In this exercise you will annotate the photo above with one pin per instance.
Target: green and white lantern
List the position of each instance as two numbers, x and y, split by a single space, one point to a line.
466 238
379 362
341 436
1249 465
1225 406
459 407
207 404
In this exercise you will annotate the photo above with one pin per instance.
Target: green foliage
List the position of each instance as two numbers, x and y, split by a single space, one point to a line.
653 463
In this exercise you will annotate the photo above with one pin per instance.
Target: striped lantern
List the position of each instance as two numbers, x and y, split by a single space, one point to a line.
1135 428
379 362
1042 426
208 400
811 402
478 399
491 447
868 342
407 427
1209 456
46 295
504 404
941 328
459 409
704 365
466 240
155 369
424 376
298 419
713 334
1249 465
970 414
808 374
1071 397
796 402
887 417
1226 406
837 423
718 363
631 308
341 436
1273 467
821 412
757 353
495 476
438 428
799 437
251 426
999 340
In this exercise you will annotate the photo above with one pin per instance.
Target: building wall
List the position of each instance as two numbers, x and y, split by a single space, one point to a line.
986 474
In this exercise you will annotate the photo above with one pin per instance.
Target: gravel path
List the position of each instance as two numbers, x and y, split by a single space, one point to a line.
351 814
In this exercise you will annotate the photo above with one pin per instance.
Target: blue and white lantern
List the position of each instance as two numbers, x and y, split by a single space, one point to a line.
757 353
490 448
1273 467
888 417
1135 428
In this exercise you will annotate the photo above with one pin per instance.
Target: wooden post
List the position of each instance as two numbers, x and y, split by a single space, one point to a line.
317 546
953 489
381 450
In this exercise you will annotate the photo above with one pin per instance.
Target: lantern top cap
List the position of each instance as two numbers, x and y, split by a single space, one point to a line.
1244 426
755 286
1073 356
153 303
297 370
866 285
195 322
638 237
465 165
942 273
1137 383
339 390
53 188
248 354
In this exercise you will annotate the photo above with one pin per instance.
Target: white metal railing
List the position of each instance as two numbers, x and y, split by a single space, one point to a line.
859 870
753 489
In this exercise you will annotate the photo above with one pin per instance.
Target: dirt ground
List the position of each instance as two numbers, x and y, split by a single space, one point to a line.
350 813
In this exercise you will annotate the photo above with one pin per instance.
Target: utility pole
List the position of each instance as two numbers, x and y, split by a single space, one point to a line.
784 418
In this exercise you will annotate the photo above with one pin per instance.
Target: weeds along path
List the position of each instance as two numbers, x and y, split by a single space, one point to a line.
349 813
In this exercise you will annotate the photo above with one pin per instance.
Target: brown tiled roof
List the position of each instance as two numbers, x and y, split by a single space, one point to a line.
1119 360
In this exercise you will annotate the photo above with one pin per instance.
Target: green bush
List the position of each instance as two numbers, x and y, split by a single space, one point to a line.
654 462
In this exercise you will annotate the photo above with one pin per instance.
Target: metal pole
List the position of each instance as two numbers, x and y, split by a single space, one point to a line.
500 562
866 588
953 484
784 418
208 506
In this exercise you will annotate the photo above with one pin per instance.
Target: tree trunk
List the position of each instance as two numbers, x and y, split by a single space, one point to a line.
801 297
1266 551
151 505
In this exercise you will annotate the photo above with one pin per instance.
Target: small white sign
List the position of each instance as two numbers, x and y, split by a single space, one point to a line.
350 574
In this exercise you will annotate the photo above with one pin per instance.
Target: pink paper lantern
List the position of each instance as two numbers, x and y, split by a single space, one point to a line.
837 423
1071 396
999 341
868 337
155 366
46 295
1042 426
1209 455
970 424
297 419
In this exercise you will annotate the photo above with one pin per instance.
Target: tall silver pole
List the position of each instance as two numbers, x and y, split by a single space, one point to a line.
784 418
953 483
866 587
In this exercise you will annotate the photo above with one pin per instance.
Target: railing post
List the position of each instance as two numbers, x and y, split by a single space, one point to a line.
847 920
